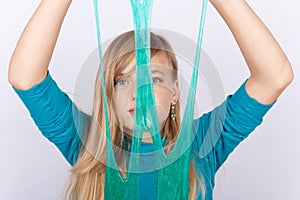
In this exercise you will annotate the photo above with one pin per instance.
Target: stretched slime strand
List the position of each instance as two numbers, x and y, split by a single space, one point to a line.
173 170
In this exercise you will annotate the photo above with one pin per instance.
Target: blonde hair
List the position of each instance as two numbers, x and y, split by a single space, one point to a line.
88 174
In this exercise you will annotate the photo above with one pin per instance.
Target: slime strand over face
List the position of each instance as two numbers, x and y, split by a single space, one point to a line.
173 170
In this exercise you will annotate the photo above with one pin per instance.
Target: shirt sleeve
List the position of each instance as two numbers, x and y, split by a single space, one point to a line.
219 131
56 116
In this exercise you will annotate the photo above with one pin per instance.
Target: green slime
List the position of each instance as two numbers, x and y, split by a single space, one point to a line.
173 170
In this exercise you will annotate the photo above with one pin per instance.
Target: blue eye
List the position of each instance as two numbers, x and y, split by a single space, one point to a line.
122 82
156 80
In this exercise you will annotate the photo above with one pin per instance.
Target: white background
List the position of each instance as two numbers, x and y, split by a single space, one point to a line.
264 166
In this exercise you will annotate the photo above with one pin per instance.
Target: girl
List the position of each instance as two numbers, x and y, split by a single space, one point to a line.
81 138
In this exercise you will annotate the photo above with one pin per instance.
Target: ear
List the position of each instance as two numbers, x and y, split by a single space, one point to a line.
175 95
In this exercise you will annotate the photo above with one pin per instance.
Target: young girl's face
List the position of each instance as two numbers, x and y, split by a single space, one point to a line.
165 90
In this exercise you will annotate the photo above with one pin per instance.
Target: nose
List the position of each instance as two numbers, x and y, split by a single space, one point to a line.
132 91
133 95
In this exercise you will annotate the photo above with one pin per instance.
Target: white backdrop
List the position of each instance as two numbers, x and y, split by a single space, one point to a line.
264 166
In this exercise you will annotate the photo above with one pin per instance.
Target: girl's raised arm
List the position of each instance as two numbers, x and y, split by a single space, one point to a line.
270 69
30 60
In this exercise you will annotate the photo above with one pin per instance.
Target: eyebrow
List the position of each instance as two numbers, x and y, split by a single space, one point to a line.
158 71
123 73
134 68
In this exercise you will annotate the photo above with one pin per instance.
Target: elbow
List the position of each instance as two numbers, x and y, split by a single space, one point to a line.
12 72
24 79
15 83
10 77
15 79
286 77
289 74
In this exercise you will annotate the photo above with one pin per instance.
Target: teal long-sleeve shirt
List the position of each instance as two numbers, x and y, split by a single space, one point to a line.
218 132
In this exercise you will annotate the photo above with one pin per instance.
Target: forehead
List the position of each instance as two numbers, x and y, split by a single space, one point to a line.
159 60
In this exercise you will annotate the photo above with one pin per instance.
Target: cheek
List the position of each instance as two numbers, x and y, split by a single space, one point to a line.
163 99
120 103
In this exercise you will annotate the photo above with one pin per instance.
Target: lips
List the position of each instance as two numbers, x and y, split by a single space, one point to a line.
131 111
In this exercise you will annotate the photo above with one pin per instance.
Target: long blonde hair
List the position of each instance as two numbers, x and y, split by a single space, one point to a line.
88 174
